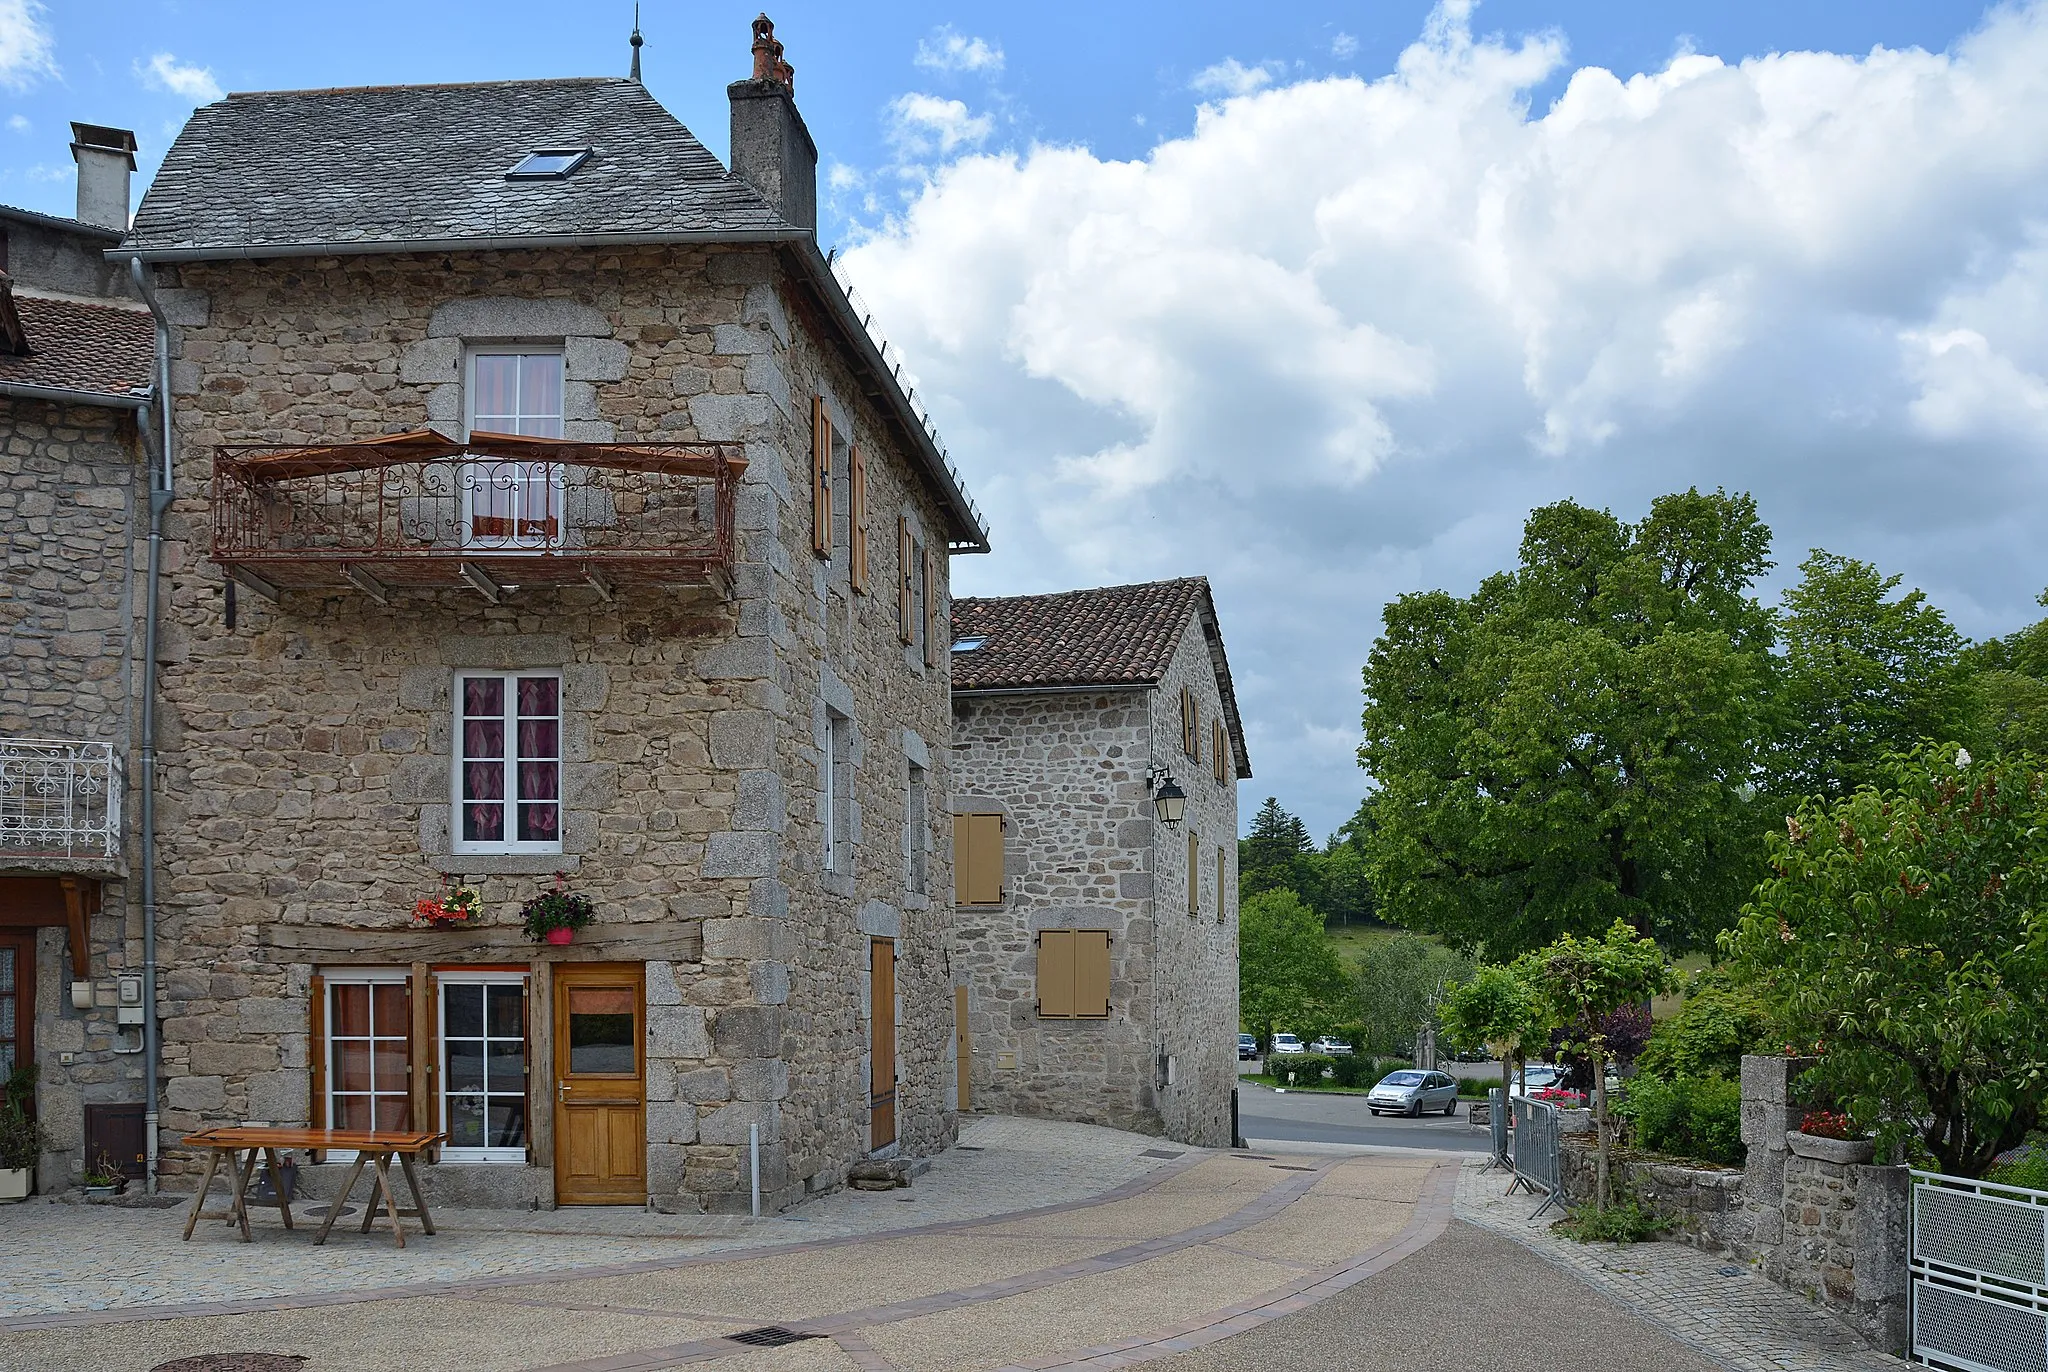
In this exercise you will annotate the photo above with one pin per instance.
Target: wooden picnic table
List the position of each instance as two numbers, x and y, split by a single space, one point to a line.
373 1147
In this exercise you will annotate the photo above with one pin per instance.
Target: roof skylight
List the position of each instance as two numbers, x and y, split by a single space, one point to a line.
548 164
970 643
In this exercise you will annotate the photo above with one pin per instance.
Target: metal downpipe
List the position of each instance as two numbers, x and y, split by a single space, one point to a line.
159 501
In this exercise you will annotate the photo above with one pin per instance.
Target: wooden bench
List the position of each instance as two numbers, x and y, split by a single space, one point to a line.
240 1145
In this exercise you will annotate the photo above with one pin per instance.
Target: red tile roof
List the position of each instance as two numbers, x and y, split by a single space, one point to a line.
1107 636
82 346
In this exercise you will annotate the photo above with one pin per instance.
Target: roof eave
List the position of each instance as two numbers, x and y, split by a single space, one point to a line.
59 222
1043 688
239 252
68 395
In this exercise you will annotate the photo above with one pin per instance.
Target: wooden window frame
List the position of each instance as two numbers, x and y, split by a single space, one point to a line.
821 478
1059 988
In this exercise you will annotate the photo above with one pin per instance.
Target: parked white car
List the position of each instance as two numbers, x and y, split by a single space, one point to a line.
1538 1076
1329 1047
1287 1043
1410 1092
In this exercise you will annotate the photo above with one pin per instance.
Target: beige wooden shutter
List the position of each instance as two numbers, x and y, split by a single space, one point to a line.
1091 973
1188 723
1219 750
905 627
821 478
1056 974
977 859
933 622
1194 874
857 522
420 1049
1222 876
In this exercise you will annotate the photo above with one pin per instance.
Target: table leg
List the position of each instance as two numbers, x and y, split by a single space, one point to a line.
199 1197
239 1212
284 1206
419 1197
339 1203
390 1198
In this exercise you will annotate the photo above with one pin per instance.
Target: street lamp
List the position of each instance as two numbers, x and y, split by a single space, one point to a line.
1168 800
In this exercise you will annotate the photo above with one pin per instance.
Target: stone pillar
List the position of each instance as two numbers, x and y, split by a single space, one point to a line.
1878 1240
1766 1118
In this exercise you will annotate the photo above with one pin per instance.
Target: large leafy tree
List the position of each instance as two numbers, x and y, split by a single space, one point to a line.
1865 673
1288 975
1399 987
1582 986
2011 685
1906 930
1578 740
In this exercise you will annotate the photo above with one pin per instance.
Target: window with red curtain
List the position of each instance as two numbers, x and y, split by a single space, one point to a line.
509 763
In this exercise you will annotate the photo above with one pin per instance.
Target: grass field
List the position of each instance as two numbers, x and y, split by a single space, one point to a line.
1352 939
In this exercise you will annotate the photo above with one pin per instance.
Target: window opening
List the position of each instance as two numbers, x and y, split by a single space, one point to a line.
369 1050
483 1068
838 779
916 833
509 779
510 506
970 643
548 164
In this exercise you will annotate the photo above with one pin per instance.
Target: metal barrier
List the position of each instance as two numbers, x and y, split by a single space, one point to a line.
1535 1151
1497 1125
1978 1264
60 798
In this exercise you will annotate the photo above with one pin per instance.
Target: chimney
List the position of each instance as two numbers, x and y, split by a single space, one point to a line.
105 158
771 149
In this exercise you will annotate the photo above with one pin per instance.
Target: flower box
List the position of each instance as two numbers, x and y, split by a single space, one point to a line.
14 1183
1830 1150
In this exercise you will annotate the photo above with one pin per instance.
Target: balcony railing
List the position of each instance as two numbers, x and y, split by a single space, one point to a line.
59 799
493 513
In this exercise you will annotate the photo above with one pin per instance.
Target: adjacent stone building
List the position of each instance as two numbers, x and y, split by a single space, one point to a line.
1096 939
76 361
544 513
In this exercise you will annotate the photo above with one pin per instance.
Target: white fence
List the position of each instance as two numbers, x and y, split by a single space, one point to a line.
59 798
1978 1257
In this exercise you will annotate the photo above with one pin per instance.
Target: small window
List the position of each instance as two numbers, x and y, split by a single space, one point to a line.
508 766
916 833
364 1068
970 643
483 1065
548 164
838 787
511 506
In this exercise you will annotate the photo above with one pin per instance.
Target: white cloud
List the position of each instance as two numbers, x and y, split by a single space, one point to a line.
27 51
1343 46
923 125
1333 343
1231 77
950 50
165 73
18 122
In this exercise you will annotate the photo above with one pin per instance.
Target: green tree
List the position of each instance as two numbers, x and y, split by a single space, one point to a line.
1399 987
1343 875
1720 1021
1288 975
1577 741
1277 854
1497 1008
1865 673
2010 679
1906 930
1580 983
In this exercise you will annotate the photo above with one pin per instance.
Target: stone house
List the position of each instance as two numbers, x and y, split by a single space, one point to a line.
1097 939
545 513
77 356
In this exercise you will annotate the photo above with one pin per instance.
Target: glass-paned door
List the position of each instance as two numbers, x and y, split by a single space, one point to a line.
17 1001
369 1034
511 765
483 1069
514 505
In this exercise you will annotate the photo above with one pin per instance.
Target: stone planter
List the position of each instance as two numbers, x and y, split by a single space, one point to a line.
1830 1150
14 1183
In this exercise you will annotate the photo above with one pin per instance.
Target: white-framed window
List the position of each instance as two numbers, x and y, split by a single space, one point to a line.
367 1063
509 506
508 762
916 832
838 788
483 1089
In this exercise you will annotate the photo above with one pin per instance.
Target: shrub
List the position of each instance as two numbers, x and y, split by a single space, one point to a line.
1624 1222
1299 1069
1382 1066
2027 1167
1475 1087
1354 1071
1718 1023
1690 1117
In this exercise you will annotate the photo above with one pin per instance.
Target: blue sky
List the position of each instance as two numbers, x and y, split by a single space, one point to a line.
1319 301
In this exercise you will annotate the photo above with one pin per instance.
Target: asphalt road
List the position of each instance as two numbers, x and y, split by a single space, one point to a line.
1314 1117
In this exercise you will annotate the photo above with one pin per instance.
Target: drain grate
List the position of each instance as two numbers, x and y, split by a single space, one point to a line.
1254 1157
771 1336
234 1362
1284 1167
1161 1153
967 1147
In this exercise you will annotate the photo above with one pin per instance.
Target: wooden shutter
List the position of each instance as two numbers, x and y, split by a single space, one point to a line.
932 621
1222 876
316 1053
821 478
1188 722
1219 750
1091 973
977 859
1194 874
1056 974
857 522
420 1050
905 627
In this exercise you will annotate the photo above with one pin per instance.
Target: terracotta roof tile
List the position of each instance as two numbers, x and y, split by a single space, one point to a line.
82 346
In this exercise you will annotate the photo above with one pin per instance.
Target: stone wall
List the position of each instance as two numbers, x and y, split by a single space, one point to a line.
1084 849
305 801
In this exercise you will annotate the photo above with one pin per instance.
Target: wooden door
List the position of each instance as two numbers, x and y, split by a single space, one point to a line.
881 1043
600 1078
17 1003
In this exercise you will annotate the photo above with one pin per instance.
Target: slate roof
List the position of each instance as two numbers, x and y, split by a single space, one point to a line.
79 345
1106 636
425 166
59 221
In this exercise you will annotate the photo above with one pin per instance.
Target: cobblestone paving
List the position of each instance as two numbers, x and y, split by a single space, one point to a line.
1744 1322
65 1257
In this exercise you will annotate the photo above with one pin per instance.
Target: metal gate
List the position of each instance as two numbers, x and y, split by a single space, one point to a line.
1535 1152
1978 1257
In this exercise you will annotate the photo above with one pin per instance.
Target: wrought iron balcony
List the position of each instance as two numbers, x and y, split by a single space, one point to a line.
494 513
59 799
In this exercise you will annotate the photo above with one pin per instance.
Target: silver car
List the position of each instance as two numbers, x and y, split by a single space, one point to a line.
1411 1092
